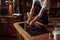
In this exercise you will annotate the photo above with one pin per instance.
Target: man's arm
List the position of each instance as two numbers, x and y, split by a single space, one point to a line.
39 15
31 13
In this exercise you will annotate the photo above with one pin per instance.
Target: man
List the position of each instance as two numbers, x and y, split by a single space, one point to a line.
43 6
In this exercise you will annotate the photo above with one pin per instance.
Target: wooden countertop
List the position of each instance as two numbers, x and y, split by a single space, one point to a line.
43 37
8 16
29 37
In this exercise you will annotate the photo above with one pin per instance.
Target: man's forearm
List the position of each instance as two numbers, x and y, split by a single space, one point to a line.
39 15
31 13
41 12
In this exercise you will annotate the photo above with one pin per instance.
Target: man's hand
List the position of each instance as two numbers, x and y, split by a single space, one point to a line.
31 21
30 24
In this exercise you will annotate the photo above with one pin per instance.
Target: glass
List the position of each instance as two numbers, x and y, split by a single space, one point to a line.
56 33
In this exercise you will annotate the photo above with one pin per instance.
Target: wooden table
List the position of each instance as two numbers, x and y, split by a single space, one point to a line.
22 33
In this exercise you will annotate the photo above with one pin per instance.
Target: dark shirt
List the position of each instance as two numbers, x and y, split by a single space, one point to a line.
44 18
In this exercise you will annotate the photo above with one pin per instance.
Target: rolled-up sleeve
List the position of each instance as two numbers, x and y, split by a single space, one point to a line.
45 4
34 1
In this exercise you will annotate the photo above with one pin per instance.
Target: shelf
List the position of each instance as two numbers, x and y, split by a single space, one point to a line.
54 19
55 8
8 16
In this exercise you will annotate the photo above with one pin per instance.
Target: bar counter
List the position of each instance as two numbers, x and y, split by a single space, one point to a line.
23 35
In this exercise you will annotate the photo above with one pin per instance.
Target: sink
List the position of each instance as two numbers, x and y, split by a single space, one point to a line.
35 30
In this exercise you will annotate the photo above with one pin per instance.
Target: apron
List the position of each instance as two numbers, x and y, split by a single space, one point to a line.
44 17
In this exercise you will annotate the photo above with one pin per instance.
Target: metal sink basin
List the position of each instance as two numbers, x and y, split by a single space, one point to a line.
35 30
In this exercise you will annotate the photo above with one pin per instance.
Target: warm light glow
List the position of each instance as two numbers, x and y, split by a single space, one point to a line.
10 7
